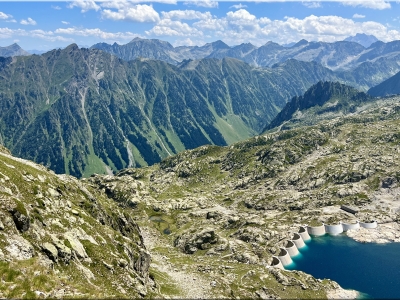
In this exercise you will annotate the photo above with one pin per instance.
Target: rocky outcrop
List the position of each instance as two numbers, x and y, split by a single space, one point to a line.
203 240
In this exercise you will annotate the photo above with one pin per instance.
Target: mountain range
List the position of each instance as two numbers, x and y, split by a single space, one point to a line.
337 56
84 111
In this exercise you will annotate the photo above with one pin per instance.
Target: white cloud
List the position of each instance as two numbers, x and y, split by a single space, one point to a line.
56 7
242 27
96 32
374 4
65 22
205 3
84 5
6 33
358 16
238 6
313 4
4 16
185 15
188 42
129 12
168 27
28 21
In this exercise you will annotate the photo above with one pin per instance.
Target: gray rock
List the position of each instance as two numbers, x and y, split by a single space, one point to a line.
53 193
64 253
21 221
51 251
19 248
122 262
76 245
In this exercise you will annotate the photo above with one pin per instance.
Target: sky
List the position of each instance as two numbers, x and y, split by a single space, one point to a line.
47 25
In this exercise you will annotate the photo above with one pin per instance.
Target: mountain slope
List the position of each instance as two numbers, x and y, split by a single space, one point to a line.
81 111
13 50
62 238
390 86
322 101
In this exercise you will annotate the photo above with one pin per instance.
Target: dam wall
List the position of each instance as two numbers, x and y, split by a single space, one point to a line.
334 229
291 248
277 263
284 257
347 226
304 233
316 230
371 225
298 241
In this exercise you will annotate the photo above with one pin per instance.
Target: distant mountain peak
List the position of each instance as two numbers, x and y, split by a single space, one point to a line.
13 50
136 39
302 42
363 39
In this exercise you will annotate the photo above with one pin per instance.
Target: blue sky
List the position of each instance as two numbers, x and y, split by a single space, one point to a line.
47 25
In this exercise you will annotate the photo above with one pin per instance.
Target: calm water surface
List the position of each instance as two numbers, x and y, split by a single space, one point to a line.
372 269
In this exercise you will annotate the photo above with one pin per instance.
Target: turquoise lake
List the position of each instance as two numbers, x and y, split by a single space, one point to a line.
372 269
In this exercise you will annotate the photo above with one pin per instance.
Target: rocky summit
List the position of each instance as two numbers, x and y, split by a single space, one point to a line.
206 222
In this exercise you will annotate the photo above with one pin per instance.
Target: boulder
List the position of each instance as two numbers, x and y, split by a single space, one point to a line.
202 240
76 245
21 220
64 253
51 251
19 248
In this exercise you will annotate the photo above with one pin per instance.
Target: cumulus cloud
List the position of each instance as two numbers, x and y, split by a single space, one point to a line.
96 32
186 15
374 4
241 26
84 5
169 27
65 22
205 3
130 12
40 34
28 21
56 7
312 4
4 16
238 6
187 42
358 16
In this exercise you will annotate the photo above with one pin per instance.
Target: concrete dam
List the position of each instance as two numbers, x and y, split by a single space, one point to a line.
284 258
